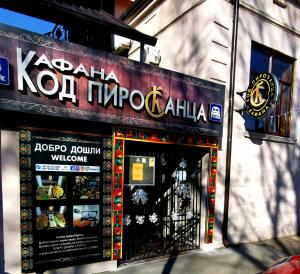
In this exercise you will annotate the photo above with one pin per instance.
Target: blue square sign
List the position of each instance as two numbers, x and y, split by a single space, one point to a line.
215 113
4 71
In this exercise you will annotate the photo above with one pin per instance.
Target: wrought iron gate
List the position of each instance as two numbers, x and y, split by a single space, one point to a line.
163 218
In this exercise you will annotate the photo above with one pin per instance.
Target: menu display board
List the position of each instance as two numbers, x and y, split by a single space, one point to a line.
67 199
140 169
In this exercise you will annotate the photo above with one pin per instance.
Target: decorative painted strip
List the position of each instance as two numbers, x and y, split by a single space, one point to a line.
165 138
120 136
26 201
107 186
117 198
211 193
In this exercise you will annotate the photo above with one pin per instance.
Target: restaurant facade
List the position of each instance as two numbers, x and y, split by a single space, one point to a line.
235 42
107 148
108 159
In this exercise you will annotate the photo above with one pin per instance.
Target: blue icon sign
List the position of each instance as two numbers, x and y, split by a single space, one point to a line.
215 113
4 71
75 168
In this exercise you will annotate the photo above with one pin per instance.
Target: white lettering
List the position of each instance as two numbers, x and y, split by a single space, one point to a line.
63 93
99 87
40 82
108 94
201 113
43 60
22 74
38 147
170 106
180 107
51 147
93 72
63 148
44 147
62 65
191 115
131 100
69 158
79 150
95 150
85 150
123 94
81 69
112 76
82 159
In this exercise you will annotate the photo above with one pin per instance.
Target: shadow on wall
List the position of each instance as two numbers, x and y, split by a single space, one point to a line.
1 229
276 204
283 197
187 53
279 165
10 161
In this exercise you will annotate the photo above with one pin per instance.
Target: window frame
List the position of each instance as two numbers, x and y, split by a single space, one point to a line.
261 126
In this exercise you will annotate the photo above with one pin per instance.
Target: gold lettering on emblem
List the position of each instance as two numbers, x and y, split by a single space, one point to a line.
152 106
256 98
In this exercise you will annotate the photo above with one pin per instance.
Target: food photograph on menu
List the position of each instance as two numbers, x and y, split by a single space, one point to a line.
86 187
50 217
86 216
50 187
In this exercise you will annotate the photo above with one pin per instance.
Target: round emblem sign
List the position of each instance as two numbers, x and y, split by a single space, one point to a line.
261 95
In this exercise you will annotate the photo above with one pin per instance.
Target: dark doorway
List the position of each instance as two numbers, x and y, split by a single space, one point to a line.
161 213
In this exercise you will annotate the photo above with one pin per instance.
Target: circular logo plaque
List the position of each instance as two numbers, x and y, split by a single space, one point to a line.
261 95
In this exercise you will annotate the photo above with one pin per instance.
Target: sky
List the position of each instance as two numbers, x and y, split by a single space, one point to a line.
24 22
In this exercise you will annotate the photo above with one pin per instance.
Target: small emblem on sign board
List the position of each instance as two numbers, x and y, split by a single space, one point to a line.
4 71
215 112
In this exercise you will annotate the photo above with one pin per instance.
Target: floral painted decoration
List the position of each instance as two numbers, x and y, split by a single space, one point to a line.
183 164
140 219
139 195
182 191
153 218
127 220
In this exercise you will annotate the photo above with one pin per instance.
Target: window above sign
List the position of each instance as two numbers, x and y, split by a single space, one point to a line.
278 121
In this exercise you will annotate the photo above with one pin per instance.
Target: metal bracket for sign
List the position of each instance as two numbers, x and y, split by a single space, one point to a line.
240 110
241 93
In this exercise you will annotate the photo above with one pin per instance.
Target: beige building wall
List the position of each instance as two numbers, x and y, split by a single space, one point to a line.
10 197
264 196
194 37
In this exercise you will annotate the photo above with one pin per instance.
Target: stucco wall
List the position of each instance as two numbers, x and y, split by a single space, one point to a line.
264 196
195 38
10 196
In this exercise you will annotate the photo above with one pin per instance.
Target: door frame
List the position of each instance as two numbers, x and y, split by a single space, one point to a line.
120 136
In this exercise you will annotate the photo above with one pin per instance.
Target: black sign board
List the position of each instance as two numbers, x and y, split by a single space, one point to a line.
67 199
56 78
